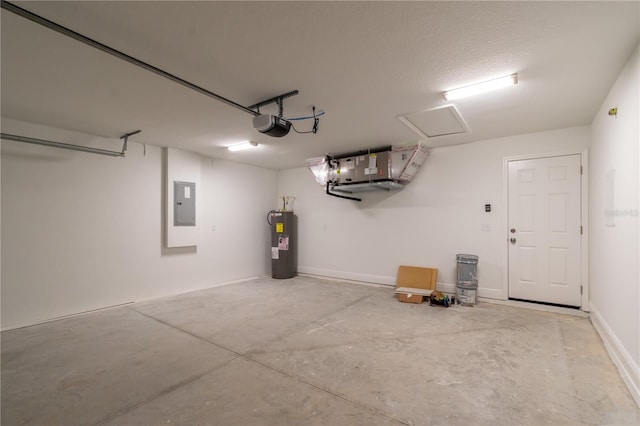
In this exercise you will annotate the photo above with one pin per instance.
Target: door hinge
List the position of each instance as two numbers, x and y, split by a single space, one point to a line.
580 169
580 289
580 229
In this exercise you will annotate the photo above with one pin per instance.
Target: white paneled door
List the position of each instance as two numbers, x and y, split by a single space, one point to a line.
545 230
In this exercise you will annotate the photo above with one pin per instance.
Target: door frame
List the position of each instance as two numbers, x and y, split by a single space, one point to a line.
584 207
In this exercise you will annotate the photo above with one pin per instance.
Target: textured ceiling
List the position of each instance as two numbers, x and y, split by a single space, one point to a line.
363 63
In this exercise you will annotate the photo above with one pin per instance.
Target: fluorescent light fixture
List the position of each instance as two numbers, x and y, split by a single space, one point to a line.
486 86
242 146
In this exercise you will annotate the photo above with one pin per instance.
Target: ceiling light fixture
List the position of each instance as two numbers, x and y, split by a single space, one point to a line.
485 86
242 146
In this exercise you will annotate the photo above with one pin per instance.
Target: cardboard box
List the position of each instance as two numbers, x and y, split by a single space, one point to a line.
414 282
417 277
410 298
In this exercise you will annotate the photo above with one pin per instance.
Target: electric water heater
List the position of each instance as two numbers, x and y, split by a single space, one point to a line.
283 244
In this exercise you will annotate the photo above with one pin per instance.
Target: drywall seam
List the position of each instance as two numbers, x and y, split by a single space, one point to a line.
629 371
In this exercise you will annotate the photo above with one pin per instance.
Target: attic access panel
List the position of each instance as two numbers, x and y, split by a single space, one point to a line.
436 122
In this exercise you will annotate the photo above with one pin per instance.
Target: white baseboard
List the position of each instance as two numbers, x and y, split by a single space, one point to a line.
196 289
537 307
76 314
128 303
628 369
344 280
488 293
349 276
446 288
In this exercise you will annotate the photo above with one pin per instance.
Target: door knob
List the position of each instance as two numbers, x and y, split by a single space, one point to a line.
513 240
513 230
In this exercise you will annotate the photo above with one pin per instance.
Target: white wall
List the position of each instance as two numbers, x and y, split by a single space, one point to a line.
82 231
439 214
614 272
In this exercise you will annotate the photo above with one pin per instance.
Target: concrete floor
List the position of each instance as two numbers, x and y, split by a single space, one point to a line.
313 352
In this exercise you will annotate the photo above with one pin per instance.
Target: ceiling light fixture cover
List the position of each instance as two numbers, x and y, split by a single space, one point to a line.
242 146
485 86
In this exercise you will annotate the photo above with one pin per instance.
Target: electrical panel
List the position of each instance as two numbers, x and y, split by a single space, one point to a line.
184 203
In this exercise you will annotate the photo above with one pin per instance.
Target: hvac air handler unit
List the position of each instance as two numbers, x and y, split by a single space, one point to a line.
379 169
283 225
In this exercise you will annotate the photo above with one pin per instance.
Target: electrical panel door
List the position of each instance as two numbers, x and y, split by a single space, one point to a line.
184 203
